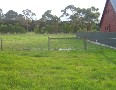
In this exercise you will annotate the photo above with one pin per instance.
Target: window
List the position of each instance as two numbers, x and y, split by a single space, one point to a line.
107 11
107 28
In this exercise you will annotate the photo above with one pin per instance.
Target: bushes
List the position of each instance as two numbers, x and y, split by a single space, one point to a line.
12 29
37 30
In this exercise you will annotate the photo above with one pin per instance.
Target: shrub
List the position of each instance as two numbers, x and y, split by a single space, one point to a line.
19 29
36 30
4 29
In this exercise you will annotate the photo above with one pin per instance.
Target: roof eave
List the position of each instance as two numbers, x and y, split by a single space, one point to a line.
103 12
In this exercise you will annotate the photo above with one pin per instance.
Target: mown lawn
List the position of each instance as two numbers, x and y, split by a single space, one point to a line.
55 70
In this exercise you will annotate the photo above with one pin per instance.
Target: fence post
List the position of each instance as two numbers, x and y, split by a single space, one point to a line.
1 44
85 43
48 43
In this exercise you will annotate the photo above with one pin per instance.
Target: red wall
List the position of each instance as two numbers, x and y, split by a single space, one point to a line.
108 23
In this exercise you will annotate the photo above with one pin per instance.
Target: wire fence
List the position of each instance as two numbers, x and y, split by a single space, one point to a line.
64 43
22 45
71 43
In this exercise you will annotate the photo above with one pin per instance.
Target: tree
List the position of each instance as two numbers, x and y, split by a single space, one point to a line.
1 15
81 19
70 12
28 14
20 17
11 15
51 21
21 20
56 21
65 27
91 17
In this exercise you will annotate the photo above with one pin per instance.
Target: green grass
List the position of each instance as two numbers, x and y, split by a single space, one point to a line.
57 70
30 41
24 41
37 42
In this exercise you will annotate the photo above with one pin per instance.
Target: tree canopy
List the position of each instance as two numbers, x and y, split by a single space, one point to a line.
77 20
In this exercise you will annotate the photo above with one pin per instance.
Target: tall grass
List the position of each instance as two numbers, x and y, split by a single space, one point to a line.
56 70
24 41
39 42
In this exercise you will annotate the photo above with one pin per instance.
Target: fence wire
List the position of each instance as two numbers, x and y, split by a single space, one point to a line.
22 45
71 43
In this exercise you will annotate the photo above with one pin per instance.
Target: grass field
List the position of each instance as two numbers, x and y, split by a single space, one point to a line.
29 41
57 70
39 42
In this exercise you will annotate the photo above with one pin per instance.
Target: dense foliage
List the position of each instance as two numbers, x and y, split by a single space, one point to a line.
11 29
74 20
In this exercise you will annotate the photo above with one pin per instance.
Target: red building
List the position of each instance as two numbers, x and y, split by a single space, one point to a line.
108 20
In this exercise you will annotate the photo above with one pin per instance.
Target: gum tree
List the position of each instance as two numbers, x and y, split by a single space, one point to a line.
28 14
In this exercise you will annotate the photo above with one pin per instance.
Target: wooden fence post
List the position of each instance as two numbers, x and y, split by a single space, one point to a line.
48 43
1 44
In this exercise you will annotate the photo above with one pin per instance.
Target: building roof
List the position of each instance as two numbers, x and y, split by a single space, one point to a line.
113 2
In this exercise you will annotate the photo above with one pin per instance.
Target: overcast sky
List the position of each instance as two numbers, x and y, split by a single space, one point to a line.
40 6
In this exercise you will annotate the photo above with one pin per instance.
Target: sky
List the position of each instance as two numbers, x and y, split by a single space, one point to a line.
40 6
